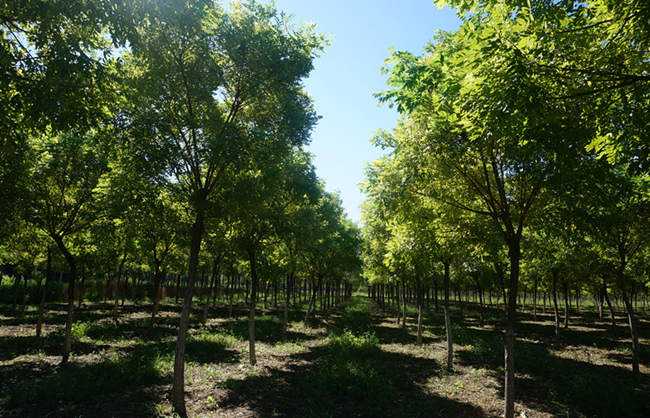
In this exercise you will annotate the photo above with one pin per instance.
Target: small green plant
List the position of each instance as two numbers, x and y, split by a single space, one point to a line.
212 403
80 329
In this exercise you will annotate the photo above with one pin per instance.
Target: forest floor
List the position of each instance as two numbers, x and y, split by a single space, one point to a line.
352 361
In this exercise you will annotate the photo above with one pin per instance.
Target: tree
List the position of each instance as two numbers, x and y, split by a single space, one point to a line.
213 91
483 134
615 212
65 180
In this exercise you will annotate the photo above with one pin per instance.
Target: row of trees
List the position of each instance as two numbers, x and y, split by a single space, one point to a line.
521 158
164 132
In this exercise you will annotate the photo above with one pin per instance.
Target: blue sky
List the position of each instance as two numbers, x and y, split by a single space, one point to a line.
349 73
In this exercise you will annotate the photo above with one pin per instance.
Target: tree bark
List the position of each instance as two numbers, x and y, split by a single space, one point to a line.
535 300
609 302
287 300
450 342
157 278
14 305
631 319
232 294
251 317
67 339
81 291
555 309
418 289
120 270
178 388
215 273
41 308
397 307
514 252
567 304
312 300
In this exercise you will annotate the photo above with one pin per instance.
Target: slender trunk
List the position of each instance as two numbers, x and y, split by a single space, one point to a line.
81 291
404 305
450 342
609 303
419 301
535 300
601 305
312 301
501 275
28 276
178 388
120 269
177 289
287 301
251 317
398 308
157 278
16 287
435 296
477 280
232 294
631 320
567 305
41 308
215 273
555 309
514 252
67 339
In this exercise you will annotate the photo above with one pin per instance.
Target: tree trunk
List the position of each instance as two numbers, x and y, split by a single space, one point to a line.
631 320
41 308
609 302
312 300
419 301
477 280
16 287
157 278
450 342
178 387
514 252
601 305
215 273
287 301
251 317
232 294
398 308
67 339
28 276
555 309
120 269
535 300
81 291
404 305
435 296
567 305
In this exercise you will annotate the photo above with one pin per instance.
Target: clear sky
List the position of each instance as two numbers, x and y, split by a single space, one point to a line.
349 73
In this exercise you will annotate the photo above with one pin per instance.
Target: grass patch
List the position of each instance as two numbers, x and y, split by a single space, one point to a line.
83 383
352 372
266 328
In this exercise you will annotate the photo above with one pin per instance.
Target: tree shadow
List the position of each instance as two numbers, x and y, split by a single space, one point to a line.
99 389
559 385
343 381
